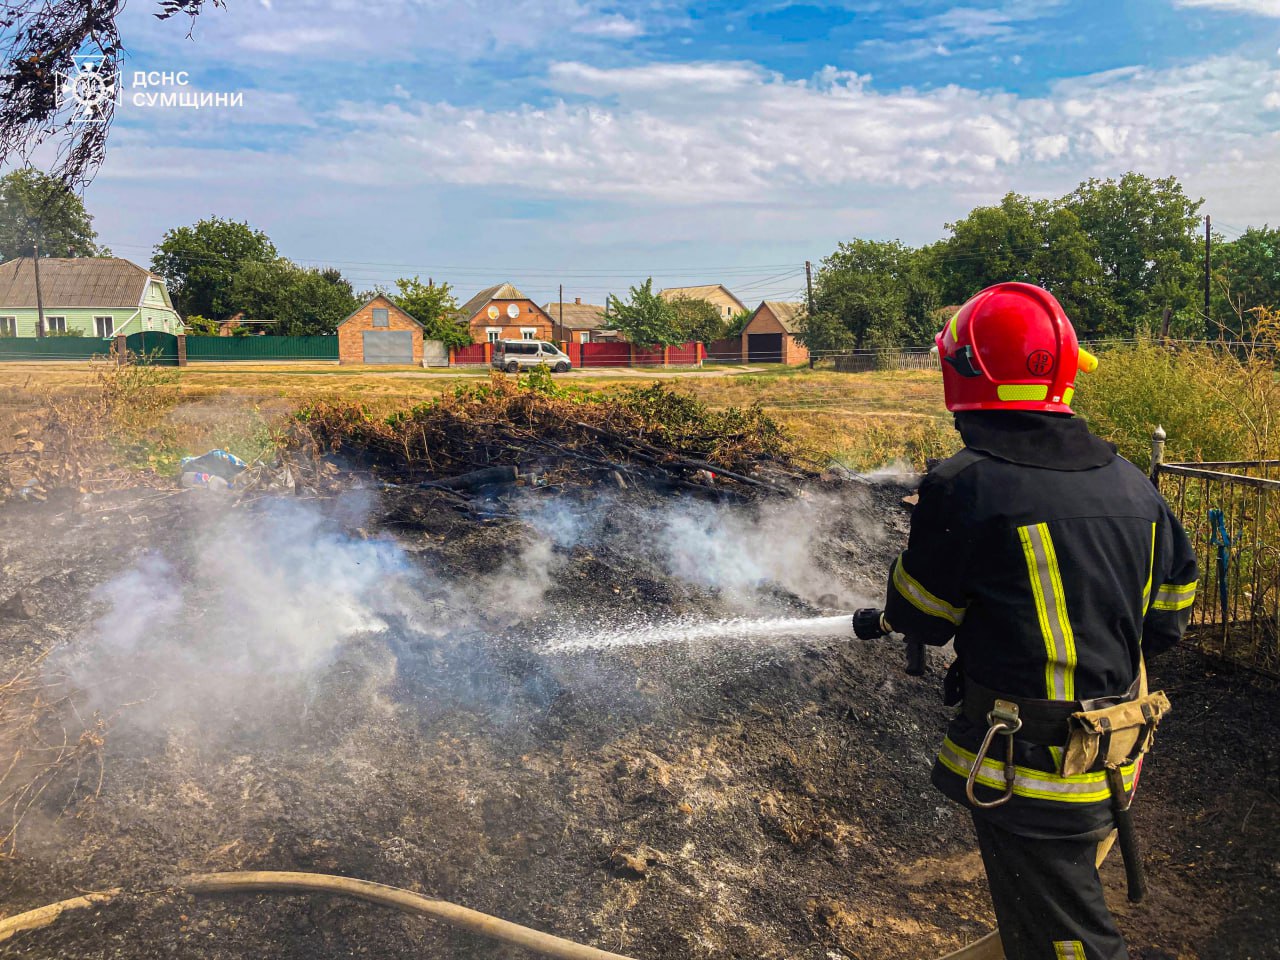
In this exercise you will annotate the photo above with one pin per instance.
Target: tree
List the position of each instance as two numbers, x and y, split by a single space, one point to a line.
697 320
301 301
35 207
1247 275
435 307
881 292
1143 235
824 333
39 43
645 318
201 264
1032 241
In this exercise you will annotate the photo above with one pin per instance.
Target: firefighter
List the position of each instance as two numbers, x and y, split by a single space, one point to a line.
1057 567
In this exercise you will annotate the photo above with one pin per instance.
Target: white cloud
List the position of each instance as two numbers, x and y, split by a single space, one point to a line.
696 132
612 26
1263 8
291 40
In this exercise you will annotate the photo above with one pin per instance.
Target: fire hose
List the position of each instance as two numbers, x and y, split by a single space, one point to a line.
260 881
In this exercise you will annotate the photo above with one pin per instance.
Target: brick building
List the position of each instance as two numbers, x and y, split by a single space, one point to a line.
380 332
580 322
770 334
502 312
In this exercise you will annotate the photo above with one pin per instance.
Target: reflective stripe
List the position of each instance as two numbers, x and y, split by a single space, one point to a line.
1022 391
1028 782
922 599
1175 596
1067 396
1068 950
1051 607
1146 590
955 317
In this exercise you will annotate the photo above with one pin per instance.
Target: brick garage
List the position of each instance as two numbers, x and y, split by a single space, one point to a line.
769 336
380 333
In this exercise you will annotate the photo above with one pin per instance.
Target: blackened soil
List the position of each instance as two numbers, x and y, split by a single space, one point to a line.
665 804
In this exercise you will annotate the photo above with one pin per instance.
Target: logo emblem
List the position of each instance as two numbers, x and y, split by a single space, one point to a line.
1039 362
90 88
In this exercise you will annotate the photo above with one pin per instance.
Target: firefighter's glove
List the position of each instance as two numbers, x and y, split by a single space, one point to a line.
868 624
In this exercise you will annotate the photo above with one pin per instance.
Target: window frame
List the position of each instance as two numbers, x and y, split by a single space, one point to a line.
529 333
493 333
51 327
8 326
386 317
98 326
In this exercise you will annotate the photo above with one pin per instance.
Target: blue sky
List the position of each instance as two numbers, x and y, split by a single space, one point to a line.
594 143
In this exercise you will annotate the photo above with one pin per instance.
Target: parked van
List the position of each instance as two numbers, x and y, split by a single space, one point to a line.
515 355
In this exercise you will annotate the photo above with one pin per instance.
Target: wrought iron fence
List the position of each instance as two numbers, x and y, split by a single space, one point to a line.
1231 511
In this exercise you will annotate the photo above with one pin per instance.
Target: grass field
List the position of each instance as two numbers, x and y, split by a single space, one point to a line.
863 420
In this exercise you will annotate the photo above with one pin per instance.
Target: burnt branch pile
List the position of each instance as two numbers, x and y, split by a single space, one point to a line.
651 436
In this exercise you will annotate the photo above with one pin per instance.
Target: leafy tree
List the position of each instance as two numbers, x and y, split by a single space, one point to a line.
697 319
1032 241
435 307
1143 236
199 326
202 262
824 333
35 207
1247 276
737 323
881 292
645 318
302 301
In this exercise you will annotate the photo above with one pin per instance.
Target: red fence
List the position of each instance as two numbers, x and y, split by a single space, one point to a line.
728 350
475 354
605 355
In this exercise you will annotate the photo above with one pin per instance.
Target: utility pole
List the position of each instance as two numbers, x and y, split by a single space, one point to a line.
35 264
560 338
808 282
1208 242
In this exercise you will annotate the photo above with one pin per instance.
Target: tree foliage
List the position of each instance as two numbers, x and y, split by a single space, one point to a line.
880 292
37 207
696 319
202 262
435 307
645 318
301 301
1246 272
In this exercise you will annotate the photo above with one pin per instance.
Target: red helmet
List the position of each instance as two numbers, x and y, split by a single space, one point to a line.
1011 347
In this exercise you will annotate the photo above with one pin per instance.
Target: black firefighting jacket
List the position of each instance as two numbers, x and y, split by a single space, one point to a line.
1056 565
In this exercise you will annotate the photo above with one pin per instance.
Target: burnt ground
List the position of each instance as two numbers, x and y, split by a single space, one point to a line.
661 801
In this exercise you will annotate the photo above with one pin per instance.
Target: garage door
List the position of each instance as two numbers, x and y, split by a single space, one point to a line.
764 348
388 346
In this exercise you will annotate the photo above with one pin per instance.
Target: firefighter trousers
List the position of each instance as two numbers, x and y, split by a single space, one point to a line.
1048 897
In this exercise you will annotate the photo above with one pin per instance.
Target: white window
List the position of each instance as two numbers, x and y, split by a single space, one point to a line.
105 326
584 336
528 333
494 334
8 326
55 324
381 317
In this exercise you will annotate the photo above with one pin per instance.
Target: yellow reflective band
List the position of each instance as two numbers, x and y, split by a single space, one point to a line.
1051 609
1146 590
955 323
1022 391
1067 394
1068 950
1175 596
922 599
1031 783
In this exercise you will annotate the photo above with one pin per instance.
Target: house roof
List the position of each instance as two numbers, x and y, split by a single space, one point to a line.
787 312
74 282
702 292
499 291
577 316
391 304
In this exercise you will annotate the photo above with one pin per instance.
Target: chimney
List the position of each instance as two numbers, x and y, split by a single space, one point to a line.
578 300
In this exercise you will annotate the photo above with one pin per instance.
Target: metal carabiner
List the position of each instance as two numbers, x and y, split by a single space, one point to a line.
1003 719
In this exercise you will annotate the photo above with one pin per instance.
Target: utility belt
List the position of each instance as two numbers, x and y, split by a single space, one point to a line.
1093 734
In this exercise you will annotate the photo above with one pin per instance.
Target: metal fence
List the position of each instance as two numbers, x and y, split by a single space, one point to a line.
261 349
53 348
1231 511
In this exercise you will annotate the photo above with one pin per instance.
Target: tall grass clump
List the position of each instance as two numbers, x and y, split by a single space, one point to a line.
1214 403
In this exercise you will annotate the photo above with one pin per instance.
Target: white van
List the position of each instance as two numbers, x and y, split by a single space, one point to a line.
516 355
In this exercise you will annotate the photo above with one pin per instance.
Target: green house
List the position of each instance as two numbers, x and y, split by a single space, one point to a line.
94 296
